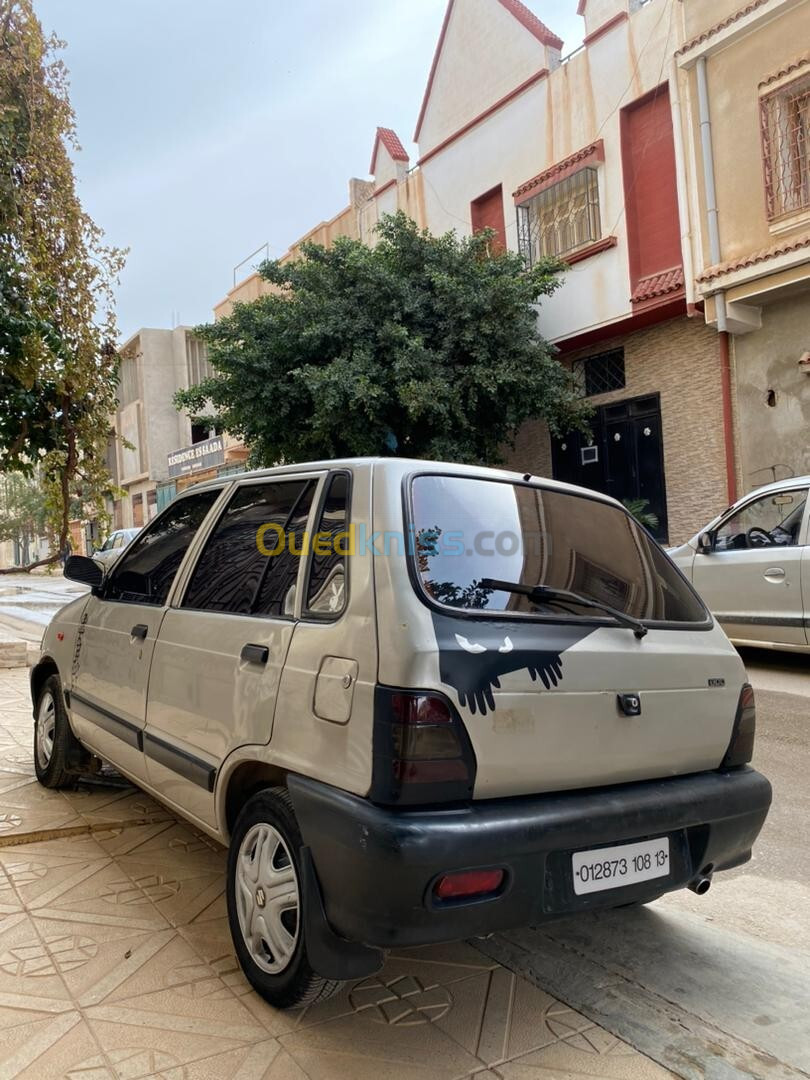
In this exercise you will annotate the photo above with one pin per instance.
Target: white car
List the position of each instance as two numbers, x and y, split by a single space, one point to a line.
419 701
114 545
751 565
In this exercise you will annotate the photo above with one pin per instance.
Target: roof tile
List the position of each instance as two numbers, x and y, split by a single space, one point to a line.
783 248
668 281
391 141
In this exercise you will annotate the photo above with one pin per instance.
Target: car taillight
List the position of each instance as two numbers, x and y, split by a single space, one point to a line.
467 884
422 752
741 748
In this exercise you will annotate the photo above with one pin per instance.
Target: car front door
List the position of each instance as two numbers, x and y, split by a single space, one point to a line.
223 643
751 579
116 636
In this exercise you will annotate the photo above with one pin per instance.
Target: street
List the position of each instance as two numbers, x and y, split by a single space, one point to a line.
711 986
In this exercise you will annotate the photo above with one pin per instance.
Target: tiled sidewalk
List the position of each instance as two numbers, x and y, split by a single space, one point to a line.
116 962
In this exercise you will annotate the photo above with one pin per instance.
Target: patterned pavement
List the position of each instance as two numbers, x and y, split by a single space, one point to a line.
116 963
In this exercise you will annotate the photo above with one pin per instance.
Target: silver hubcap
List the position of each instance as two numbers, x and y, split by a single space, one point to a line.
45 730
267 900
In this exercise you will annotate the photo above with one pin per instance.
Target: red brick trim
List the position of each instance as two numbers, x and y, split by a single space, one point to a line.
581 7
432 74
594 35
385 187
542 74
785 248
588 155
712 30
592 249
391 141
786 70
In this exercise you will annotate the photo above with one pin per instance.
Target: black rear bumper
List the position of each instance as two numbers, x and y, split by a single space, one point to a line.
377 866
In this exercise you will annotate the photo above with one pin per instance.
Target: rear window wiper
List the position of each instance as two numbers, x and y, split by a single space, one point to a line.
540 593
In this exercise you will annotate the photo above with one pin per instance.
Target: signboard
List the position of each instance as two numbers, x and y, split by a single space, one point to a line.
196 458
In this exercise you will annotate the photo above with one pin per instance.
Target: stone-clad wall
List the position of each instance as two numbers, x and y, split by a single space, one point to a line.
680 361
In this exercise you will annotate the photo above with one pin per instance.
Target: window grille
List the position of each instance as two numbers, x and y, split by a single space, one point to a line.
599 374
561 218
785 120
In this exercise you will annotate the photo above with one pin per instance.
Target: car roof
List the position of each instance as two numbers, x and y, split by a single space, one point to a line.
779 485
399 467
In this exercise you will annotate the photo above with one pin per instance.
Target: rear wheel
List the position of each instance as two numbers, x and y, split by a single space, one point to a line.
56 748
265 903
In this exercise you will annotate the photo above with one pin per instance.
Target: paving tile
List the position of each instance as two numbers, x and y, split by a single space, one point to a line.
60 1047
120 806
31 985
263 1061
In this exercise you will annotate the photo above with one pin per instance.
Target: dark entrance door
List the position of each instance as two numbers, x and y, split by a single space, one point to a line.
624 458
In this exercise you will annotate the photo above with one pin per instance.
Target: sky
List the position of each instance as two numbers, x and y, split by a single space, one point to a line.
209 127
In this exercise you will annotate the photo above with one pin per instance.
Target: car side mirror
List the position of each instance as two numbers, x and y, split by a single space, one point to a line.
81 568
705 543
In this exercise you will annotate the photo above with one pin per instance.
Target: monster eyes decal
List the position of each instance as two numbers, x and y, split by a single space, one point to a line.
469 646
473 665
474 647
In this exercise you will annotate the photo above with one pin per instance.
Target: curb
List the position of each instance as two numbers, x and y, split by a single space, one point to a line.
17 653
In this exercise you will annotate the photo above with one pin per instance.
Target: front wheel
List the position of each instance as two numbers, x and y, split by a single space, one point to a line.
55 745
265 903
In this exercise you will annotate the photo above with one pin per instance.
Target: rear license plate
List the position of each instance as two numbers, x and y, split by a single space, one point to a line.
625 864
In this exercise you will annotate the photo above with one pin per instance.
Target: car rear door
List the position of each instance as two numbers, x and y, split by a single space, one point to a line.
223 645
116 636
752 579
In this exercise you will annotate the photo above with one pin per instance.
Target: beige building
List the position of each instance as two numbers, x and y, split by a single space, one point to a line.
158 450
744 72
594 156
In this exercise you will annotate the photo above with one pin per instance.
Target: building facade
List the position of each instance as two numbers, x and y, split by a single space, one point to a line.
155 449
745 90
596 157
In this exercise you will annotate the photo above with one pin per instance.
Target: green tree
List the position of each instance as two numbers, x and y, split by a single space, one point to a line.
58 363
23 513
420 346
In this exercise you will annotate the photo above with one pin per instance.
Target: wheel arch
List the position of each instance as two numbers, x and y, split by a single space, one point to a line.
40 672
241 781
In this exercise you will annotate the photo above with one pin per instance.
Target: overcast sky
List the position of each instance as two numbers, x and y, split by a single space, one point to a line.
209 127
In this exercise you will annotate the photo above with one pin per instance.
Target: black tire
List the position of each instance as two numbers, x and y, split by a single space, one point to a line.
58 768
297 984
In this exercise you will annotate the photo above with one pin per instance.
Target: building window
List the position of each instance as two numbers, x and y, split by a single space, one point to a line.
561 218
785 118
599 374
137 510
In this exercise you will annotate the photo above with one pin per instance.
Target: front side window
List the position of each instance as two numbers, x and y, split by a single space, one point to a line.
469 531
785 117
773 520
249 565
144 574
560 219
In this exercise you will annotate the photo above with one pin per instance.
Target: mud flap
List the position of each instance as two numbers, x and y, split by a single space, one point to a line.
331 956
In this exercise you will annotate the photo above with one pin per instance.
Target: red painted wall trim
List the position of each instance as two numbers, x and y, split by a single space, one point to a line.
386 186
499 104
592 249
728 419
433 67
588 155
594 35
624 326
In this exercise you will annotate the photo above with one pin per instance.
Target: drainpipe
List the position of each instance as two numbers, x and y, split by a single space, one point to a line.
714 253
682 189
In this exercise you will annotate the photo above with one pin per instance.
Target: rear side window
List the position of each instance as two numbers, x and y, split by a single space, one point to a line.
326 588
249 566
145 572
469 531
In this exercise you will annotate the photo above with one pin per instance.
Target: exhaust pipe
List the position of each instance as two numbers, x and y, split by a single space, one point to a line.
701 884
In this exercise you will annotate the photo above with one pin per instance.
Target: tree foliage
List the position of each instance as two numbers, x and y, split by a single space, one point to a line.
58 364
419 346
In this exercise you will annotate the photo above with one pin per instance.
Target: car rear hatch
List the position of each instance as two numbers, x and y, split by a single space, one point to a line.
555 693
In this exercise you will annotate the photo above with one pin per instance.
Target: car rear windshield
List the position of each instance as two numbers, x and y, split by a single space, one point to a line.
468 530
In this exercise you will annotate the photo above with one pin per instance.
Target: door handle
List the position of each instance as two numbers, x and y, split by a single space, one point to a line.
254 654
140 630
774 572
